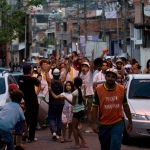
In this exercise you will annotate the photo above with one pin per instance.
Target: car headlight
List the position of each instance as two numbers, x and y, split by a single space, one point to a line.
139 117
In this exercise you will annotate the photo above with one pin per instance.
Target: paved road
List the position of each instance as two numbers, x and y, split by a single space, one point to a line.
45 143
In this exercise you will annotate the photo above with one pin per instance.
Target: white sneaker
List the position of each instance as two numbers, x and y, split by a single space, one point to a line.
54 136
35 139
89 130
57 137
38 126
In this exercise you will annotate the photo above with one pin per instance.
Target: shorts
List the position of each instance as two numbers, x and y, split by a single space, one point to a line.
78 115
67 114
18 128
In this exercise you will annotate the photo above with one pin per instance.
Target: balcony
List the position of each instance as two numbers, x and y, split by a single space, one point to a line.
17 47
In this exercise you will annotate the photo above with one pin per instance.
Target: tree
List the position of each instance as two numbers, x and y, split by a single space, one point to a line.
12 25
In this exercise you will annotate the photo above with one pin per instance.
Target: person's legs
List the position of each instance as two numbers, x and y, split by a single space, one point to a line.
7 137
59 119
116 137
52 118
76 132
89 114
75 129
69 132
33 121
104 138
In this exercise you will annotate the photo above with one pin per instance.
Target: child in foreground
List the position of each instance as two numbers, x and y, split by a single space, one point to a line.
78 113
10 114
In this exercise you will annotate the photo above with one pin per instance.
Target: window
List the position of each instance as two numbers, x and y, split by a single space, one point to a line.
2 87
11 80
139 89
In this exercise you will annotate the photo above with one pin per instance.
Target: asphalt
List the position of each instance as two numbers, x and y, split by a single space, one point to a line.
45 142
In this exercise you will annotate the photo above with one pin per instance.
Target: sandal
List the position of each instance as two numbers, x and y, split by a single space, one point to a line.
63 140
75 147
83 146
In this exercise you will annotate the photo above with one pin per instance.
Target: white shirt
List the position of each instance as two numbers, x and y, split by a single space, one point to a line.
69 96
88 82
95 72
98 77
75 74
50 74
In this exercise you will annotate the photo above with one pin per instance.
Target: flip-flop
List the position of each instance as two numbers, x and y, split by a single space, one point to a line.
75 147
63 141
83 146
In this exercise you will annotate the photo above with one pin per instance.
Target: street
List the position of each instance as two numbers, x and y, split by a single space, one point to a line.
45 142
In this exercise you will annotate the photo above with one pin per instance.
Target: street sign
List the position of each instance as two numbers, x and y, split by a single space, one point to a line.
147 10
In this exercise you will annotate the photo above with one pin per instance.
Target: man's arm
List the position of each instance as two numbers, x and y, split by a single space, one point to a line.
128 114
95 112
92 62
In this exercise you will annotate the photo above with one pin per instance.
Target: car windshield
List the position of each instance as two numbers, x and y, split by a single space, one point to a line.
140 88
2 86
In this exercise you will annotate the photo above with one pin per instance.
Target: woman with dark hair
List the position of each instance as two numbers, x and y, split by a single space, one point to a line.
78 113
135 68
147 69
74 57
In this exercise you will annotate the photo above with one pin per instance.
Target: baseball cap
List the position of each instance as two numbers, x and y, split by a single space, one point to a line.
119 61
86 63
27 67
111 70
108 57
56 72
12 87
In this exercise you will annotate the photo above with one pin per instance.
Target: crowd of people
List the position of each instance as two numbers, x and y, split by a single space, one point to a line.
72 87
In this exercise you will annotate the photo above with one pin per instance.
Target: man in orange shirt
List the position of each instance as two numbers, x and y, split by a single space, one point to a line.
109 98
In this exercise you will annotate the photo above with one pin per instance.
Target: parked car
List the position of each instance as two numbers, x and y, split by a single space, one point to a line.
138 95
4 69
16 75
5 80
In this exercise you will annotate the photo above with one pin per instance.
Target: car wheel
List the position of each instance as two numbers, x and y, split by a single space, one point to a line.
125 137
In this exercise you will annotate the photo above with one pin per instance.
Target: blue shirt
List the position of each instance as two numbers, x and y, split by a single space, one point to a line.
9 115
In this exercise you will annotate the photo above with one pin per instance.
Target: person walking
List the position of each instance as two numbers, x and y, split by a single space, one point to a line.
67 111
27 85
109 98
55 105
78 113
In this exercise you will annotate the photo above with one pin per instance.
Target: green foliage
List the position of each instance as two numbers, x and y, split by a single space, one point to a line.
47 41
13 20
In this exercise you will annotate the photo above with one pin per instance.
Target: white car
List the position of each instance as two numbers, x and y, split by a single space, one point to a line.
5 80
138 96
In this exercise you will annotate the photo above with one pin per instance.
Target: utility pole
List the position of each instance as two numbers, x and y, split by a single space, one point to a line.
124 23
85 23
103 21
78 25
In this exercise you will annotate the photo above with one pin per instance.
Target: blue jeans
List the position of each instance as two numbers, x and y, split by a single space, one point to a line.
7 137
110 138
55 118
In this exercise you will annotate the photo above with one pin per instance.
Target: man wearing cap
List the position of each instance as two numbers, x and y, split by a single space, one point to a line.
87 78
55 105
120 72
109 98
26 84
